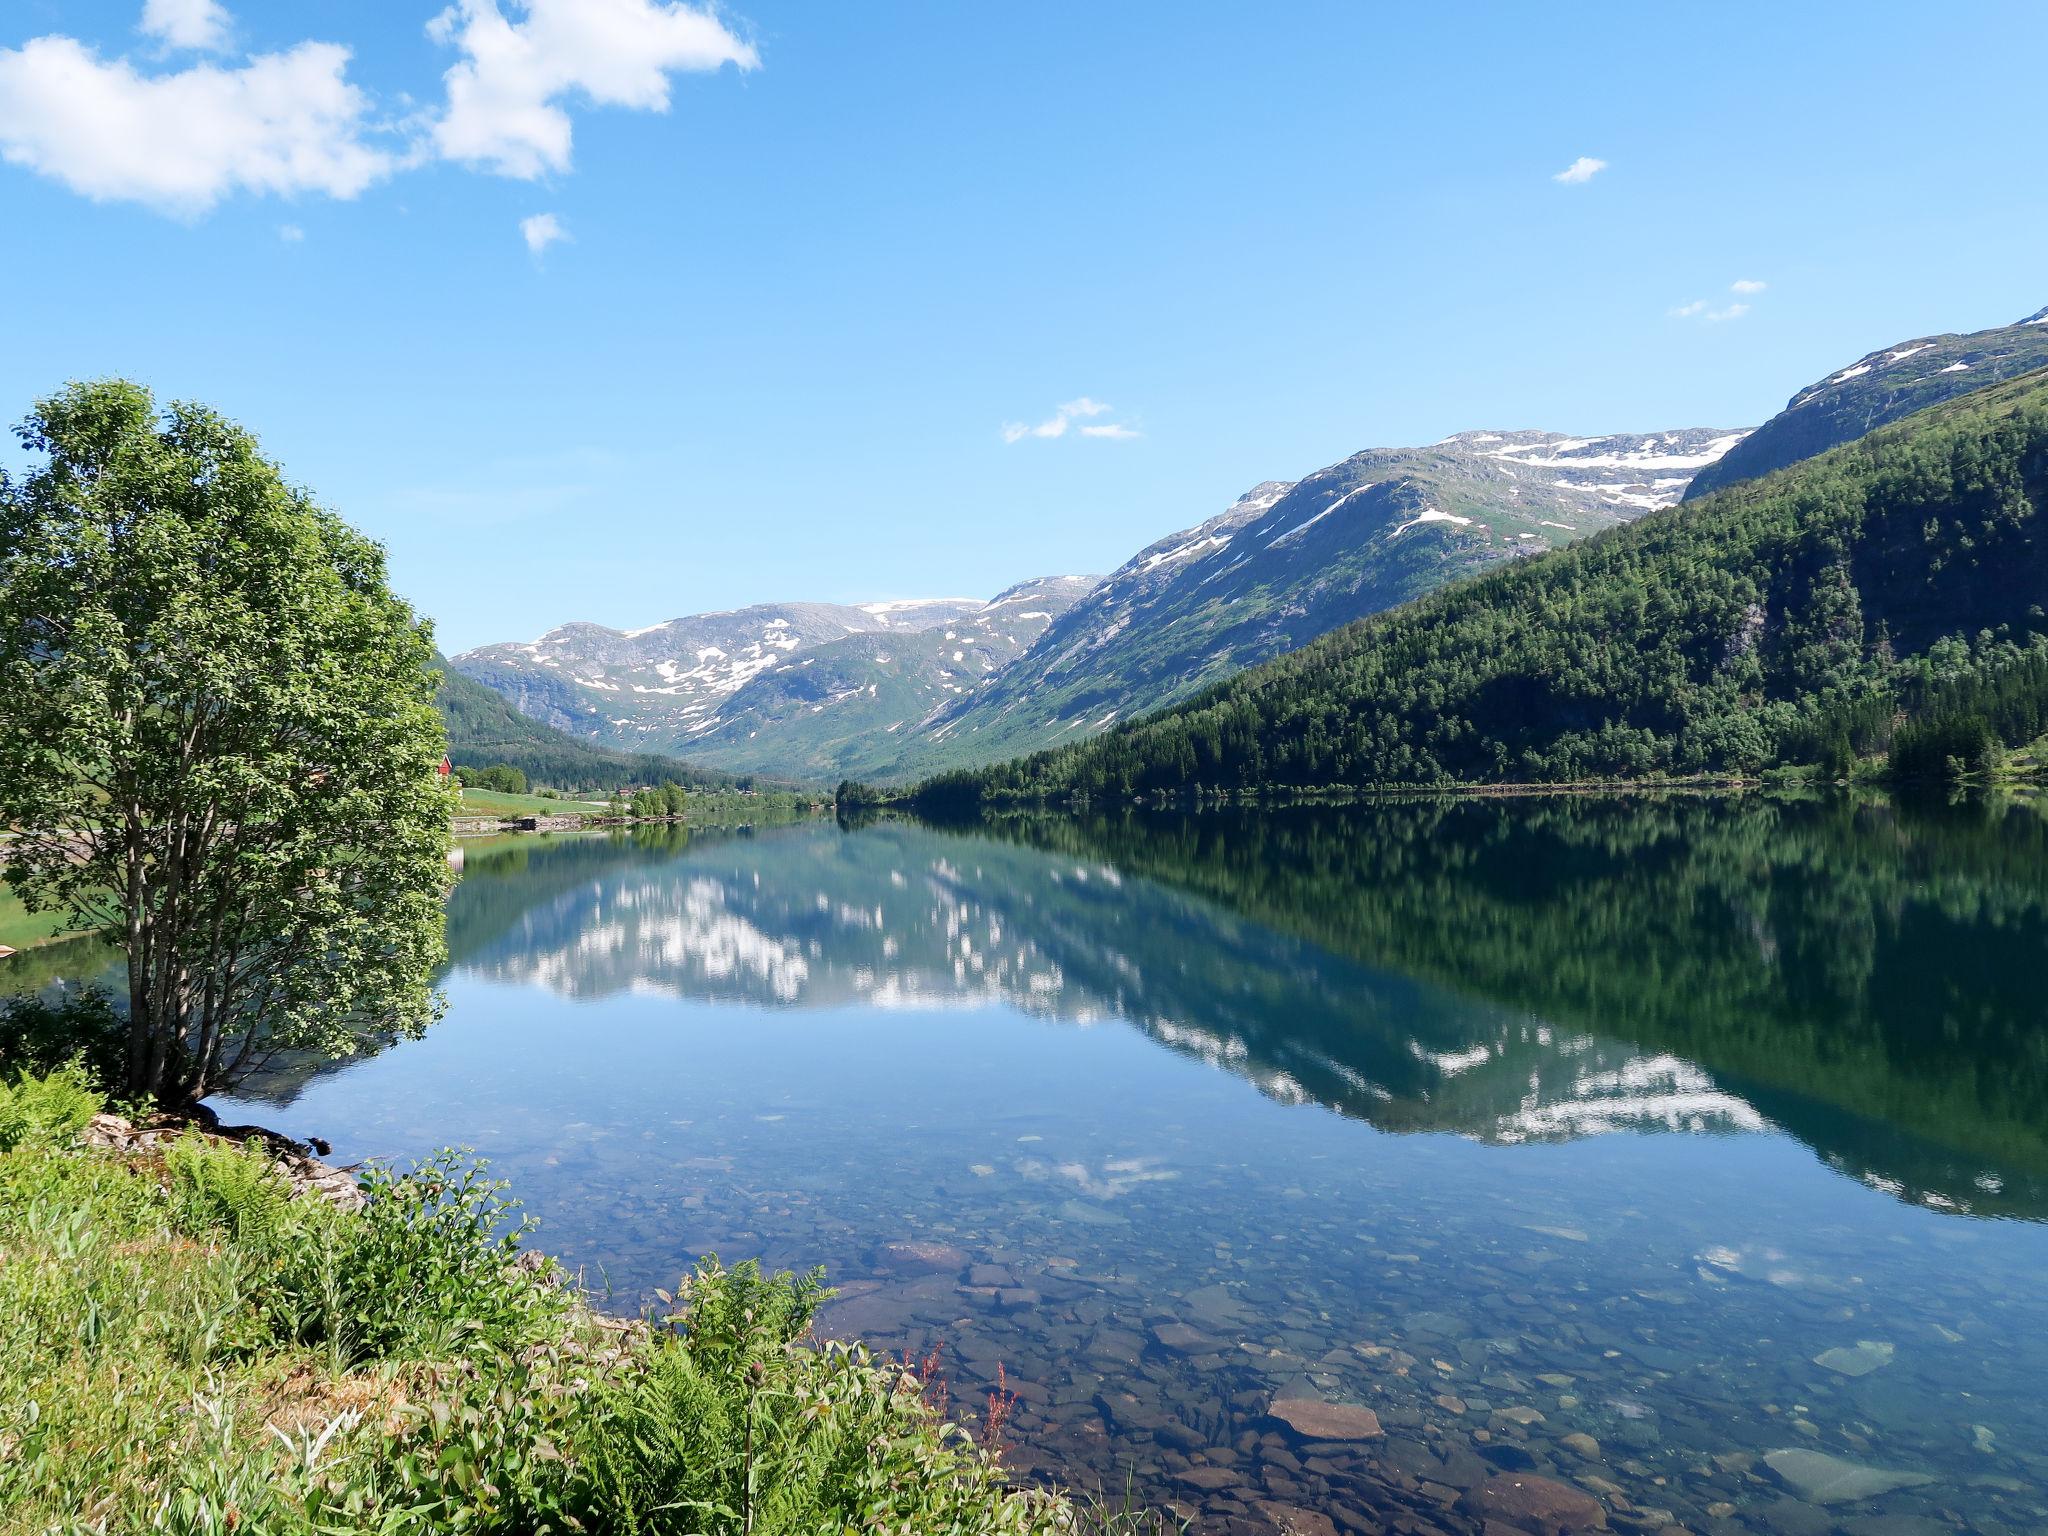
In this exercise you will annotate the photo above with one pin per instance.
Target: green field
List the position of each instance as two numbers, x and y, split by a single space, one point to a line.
23 929
489 802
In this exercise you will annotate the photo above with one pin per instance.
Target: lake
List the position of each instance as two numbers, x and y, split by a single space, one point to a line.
1691 1151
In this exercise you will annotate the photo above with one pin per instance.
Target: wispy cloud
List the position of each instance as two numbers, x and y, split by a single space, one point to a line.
1065 416
1581 170
290 234
1717 314
1700 309
542 230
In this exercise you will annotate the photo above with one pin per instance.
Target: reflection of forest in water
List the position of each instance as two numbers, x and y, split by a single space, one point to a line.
1862 975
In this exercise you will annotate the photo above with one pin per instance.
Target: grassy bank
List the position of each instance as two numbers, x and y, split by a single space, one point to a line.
186 1346
491 802
23 929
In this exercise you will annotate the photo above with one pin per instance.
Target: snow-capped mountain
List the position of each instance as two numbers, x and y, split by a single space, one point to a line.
1287 562
730 687
1881 387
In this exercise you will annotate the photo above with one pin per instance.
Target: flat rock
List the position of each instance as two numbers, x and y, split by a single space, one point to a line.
1539 1505
1795 1518
1820 1478
1208 1479
913 1257
1868 1355
1313 1419
1291 1520
1180 1339
1896 1525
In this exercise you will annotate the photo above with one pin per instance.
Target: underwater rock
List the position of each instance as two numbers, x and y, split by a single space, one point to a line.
1820 1478
1868 1355
1537 1504
1313 1419
914 1257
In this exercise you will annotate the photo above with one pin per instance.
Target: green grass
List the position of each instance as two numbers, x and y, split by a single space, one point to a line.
185 1347
489 802
23 929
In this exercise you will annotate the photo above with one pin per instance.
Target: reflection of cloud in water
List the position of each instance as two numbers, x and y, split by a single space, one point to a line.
1119 1175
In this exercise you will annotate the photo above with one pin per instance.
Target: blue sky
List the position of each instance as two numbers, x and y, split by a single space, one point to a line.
793 313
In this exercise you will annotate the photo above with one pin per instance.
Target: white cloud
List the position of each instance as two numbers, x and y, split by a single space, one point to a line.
200 24
1700 309
1583 169
1747 285
504 107
541 231
1064 416
290 234
280 123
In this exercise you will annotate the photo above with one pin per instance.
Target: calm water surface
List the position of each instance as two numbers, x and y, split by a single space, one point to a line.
1629 1144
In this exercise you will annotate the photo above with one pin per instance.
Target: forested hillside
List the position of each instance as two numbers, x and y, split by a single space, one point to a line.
1789 618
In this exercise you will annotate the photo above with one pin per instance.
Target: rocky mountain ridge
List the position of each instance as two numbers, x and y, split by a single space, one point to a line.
1878 388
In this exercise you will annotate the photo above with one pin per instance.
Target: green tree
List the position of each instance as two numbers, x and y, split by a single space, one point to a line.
217 739
673 798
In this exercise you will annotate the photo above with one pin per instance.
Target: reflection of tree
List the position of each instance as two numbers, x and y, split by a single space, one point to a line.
1865 974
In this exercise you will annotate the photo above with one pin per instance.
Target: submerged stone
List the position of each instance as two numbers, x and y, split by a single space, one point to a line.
1820 1478
1313 1419
913 1257
1868 1355
1537 1504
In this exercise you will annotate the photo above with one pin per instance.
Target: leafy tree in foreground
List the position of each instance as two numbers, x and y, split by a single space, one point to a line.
217 738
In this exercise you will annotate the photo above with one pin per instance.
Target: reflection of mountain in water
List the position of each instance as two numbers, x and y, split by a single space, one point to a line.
900 916
1866 976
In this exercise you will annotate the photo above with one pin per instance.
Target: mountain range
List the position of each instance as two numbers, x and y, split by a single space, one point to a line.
897 691
888 690
1879 388
1796 619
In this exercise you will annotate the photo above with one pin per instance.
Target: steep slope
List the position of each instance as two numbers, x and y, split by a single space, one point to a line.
839 709
1880 387
1770 620
484 729
1288 562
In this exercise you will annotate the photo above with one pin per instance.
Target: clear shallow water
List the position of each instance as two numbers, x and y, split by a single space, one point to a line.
1707 1130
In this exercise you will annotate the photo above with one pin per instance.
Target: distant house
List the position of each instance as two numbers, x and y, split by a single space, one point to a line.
447 769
